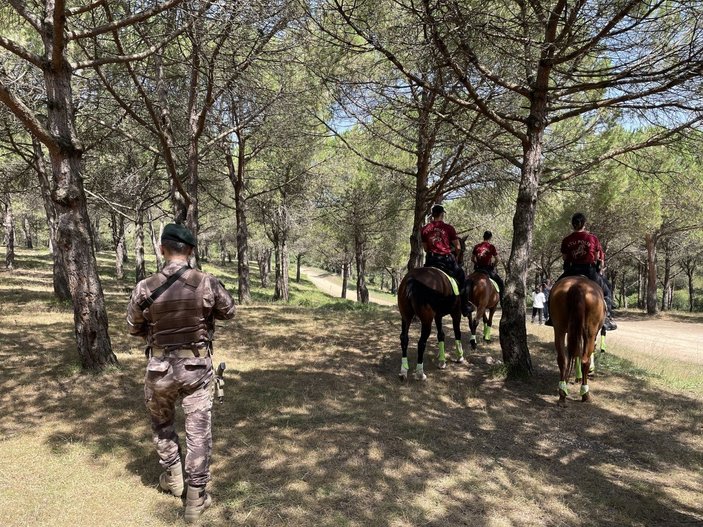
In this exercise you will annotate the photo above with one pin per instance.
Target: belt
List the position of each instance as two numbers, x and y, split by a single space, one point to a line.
182 352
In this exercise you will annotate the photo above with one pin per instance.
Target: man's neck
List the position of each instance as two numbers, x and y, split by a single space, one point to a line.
178 260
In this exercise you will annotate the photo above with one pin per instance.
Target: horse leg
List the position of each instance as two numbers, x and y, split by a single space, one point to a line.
488 324
424 335
585 364
474 324
456 323
563 362
405 326
442 358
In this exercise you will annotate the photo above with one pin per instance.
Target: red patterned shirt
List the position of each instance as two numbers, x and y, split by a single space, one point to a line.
484 252
581 247
438 237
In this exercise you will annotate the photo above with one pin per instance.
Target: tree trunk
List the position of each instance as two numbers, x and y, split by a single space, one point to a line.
264 260
9 223
345 279
281 289
362 292
119 245
27 228
651 243
298 264
666 290
60 280
156 241
223 251
74 238
237 180
689 275
139 263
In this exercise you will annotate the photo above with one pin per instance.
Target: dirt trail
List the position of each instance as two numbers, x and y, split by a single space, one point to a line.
327 283
682 341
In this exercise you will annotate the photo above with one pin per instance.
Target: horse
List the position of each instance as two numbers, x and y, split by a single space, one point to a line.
577 309
426 293
485 297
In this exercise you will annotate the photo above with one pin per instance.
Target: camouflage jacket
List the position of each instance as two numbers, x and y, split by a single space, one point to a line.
193 302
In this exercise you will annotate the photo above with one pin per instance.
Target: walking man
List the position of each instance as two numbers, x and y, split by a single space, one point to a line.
175 312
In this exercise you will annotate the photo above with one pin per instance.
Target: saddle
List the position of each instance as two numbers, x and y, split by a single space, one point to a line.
452 280
495 284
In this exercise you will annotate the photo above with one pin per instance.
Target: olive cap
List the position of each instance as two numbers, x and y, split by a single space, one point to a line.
176 232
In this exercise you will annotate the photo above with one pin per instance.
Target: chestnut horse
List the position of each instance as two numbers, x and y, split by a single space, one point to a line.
485 297
577 310
426 293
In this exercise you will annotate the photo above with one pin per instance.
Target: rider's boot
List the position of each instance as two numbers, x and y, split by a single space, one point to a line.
608 323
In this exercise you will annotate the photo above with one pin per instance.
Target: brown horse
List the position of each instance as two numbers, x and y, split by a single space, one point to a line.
577 310
485 297
427 294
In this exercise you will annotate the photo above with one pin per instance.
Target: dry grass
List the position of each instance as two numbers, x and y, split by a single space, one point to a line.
317 431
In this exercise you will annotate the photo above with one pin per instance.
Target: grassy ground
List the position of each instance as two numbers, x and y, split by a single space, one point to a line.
317 431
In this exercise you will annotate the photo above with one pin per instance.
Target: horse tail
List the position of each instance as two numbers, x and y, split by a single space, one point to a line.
576 331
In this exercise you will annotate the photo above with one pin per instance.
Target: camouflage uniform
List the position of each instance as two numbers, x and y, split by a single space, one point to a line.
178 328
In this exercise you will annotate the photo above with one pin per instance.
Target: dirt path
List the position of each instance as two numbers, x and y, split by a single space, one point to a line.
328 283
682 341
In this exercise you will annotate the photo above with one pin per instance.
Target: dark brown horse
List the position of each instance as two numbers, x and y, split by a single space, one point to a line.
577 310
485 297
427 294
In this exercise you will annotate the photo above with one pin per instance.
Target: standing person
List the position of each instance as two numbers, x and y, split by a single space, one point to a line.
441 244
537 304
584 255
546 289
175 312
485 258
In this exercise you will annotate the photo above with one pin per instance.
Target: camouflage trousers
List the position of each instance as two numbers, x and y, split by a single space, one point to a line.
168 379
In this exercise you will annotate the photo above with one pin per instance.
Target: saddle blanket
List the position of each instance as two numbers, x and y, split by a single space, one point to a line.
452 281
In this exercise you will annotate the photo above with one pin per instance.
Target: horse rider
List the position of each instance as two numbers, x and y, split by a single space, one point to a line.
485 258
175 312
584 255
441 244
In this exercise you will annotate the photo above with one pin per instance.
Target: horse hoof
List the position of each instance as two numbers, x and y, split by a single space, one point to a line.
487 340
403 375
420 377
586 398
442 365
562 402
460 360
473 344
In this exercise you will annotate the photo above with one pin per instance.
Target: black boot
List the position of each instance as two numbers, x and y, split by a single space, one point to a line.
608 324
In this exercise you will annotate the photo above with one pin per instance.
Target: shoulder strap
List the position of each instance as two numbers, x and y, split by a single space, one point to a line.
163 287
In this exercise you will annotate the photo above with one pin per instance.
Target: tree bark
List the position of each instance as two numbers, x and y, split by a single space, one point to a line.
264 260
155 241
651 243
9 224
27 228
345 279
666 292
74 238
298 264
362 292
119 245
237 179
281 289
60 280
139 263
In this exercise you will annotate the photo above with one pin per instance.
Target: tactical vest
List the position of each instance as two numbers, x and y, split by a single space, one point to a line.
177 316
